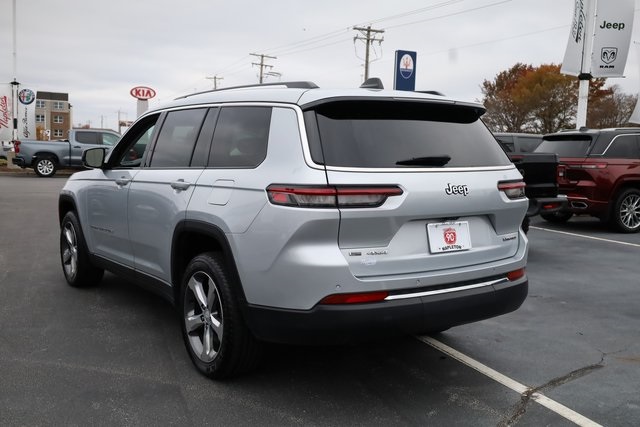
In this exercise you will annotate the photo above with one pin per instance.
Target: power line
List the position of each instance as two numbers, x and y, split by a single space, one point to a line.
450 14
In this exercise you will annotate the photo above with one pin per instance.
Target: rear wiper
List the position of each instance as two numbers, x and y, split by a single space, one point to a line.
425 161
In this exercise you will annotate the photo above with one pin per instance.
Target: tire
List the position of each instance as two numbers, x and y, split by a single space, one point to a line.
45 166
526 222
557 217
626 211
74 256
216 337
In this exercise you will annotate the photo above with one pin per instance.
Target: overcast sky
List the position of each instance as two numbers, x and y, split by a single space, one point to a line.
97 51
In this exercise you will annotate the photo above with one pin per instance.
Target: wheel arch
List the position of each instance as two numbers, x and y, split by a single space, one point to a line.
43 154
191 238
66 203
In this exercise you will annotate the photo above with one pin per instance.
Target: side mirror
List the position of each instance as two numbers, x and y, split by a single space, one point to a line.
93 158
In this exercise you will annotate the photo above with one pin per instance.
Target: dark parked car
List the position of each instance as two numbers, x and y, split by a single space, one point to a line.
518 142
539 171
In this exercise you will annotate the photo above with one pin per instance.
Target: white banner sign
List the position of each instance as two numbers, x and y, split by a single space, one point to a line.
6 116
600 38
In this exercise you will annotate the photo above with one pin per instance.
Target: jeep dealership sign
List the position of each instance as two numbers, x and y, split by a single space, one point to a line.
599 42
142 92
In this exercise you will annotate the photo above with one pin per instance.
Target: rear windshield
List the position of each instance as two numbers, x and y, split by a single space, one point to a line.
565 146
394 134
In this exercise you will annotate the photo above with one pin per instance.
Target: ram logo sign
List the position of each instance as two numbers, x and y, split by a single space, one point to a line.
609 54
142 92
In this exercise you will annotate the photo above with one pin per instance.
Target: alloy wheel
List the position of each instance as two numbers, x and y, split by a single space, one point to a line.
630 211
45 167
203 316
70 251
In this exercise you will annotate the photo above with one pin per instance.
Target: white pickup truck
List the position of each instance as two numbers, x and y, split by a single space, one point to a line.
45 157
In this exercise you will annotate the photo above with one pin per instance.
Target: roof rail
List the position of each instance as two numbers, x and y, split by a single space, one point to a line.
289 85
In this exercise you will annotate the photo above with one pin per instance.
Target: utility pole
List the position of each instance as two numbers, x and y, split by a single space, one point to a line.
261 64
368 35
215 81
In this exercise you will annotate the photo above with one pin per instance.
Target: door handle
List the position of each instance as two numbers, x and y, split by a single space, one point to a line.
121 182
180 185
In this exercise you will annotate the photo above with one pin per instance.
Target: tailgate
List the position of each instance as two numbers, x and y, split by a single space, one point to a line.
395 238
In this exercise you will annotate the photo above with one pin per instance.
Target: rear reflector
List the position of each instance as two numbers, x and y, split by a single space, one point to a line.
330 196
360 298
512 189
516 274
589 166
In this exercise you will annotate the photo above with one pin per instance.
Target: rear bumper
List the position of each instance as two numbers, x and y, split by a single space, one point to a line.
584 205
19 161
336 324
547 205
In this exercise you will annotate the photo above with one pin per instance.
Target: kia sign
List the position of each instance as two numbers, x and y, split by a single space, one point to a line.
405 70
142 92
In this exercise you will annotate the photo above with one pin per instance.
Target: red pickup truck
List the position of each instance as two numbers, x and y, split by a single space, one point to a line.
599 172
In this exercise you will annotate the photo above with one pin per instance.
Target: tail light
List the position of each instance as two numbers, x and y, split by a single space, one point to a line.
512 189
331 196
16 146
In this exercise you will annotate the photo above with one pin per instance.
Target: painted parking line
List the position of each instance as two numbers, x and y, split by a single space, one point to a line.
636 245
521 389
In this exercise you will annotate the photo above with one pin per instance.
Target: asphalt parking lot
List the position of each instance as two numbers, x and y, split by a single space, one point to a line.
113 355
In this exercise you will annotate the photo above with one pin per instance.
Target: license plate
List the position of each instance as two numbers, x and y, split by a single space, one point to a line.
449 236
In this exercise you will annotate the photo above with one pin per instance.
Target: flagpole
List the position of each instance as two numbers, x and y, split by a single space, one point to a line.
584 77
583 100
14 83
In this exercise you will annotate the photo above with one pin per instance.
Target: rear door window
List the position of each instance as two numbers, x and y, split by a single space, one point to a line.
87 137
394 134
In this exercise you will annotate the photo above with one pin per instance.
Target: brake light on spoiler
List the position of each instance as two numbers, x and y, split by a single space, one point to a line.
331 196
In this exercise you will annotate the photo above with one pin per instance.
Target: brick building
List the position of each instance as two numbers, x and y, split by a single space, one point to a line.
53 113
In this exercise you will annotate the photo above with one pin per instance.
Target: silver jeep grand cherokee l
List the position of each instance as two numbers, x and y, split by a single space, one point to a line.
294 214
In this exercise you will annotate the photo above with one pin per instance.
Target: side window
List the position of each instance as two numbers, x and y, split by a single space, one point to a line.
131 149
241 136
87 137
529 143
177 138
623 147
109 139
